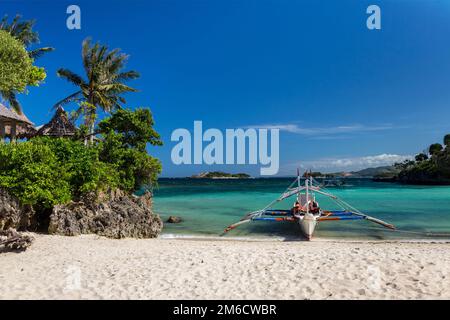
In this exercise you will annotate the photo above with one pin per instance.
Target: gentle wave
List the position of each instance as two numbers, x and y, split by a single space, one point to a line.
282 239
205 237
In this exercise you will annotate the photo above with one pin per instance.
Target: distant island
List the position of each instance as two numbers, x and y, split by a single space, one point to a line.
428 168
378 172
220 175
431 167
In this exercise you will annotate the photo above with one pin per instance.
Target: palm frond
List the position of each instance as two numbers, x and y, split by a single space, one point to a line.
4 22
21 30
116 88
77 96
11 97
129 75
76 114
71 77
37 53
85 54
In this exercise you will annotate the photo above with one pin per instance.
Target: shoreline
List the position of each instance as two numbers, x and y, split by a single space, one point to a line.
196 237
93 267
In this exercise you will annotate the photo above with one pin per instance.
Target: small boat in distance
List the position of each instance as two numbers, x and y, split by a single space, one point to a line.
306 210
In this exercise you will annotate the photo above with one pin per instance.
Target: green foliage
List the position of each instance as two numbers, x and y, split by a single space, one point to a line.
421 157
435 148
104 84
125 136
82 133
220 174
33 173
434 170
136 168
16 67
85 171
48 171
447 140
23 31
313 174
135 127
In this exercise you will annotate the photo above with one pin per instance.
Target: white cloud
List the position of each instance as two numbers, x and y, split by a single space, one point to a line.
348 164
325 131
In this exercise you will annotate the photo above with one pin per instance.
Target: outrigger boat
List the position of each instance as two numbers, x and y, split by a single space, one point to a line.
306 211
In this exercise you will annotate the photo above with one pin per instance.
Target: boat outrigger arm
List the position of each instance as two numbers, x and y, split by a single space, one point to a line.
308 213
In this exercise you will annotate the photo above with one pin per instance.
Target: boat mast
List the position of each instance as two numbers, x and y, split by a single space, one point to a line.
307 194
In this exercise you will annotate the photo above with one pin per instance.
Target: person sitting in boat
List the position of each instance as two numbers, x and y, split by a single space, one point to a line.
296 208
314 207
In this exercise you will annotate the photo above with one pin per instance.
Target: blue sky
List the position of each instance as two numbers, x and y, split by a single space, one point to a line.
345 97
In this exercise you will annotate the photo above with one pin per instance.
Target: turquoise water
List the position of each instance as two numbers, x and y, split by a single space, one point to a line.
208 206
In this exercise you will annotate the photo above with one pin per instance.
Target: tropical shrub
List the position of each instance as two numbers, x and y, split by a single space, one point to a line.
125 137
48 171
33 173
85 172
135 127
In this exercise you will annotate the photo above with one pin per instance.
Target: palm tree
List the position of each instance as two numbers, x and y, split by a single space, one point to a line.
23 31
447 140
104 83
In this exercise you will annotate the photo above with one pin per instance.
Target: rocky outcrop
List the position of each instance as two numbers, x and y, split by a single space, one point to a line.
174 219
114 215
11 240
13 214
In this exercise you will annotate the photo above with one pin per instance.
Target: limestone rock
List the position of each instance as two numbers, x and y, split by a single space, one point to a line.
13 214
11 240
114 214
174 219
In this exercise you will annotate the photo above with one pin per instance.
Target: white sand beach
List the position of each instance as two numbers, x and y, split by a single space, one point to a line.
90 267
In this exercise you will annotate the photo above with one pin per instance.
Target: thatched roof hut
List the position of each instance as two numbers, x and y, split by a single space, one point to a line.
59 126
14 125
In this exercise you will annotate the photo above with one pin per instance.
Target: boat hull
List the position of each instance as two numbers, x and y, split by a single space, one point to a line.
308 225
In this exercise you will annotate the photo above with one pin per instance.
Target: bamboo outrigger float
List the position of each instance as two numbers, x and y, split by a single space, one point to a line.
306 211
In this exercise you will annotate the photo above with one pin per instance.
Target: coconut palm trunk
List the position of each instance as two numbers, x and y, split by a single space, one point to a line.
91 126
